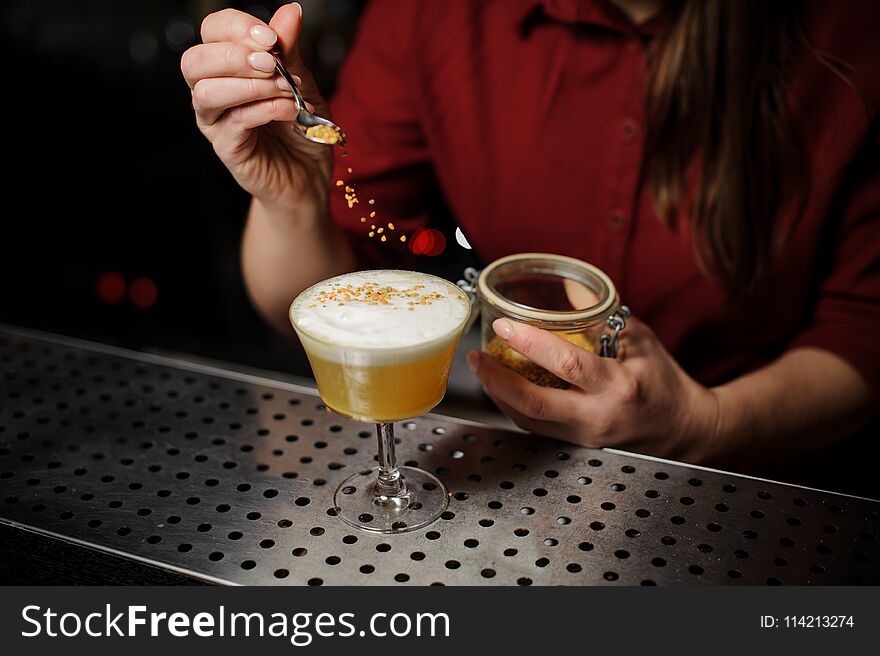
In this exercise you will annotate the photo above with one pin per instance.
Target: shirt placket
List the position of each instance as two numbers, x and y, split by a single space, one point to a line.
627 146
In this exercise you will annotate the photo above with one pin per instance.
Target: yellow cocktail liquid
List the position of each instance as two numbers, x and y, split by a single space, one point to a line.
384 393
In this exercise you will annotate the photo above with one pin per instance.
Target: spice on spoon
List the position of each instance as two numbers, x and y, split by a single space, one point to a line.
324 133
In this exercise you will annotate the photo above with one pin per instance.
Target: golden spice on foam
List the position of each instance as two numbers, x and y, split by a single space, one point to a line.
372 294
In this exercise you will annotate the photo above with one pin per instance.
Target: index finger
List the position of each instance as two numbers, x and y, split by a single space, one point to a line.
558 356
237 26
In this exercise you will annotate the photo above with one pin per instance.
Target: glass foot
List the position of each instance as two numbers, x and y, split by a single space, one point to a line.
359 504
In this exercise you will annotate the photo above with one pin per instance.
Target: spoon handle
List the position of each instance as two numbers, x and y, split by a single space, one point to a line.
281 69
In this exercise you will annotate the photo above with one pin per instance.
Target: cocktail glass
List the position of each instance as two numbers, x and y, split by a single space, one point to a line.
382 385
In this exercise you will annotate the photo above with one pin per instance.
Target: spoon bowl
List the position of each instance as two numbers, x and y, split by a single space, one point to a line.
306 124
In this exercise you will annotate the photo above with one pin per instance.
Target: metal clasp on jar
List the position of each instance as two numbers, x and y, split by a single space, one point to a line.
609 343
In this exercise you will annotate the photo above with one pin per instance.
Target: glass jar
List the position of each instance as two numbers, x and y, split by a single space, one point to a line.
566 296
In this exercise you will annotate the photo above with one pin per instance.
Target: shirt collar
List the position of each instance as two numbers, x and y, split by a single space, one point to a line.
599 13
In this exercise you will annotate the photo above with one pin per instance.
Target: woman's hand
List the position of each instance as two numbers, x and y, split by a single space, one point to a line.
244 109
641 402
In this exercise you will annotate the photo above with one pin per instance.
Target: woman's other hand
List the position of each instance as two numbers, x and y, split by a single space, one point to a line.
244 109
642 402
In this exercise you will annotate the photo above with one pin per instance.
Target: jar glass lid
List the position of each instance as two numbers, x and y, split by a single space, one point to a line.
548 287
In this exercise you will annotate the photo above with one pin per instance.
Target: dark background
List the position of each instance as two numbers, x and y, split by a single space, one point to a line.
107 173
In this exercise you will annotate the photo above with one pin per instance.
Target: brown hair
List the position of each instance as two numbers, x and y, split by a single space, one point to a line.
716 108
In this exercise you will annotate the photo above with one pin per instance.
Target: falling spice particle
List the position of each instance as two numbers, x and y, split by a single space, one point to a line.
352 199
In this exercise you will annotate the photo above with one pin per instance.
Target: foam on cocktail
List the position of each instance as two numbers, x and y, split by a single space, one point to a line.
386 316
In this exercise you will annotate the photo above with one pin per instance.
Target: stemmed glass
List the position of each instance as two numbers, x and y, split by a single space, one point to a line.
384 384
390 498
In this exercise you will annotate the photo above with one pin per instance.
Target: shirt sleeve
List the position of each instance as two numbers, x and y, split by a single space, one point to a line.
846 320
376 104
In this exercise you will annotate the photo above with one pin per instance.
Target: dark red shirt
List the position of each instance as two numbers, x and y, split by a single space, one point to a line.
529 115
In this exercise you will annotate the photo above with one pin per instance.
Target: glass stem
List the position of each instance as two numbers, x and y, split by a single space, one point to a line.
389 483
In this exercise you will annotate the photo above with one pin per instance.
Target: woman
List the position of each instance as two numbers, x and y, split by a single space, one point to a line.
717 159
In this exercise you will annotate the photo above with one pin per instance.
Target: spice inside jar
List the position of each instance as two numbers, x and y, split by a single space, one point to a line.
499 350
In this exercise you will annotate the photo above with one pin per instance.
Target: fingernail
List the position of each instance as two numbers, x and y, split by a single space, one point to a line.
263 35
297 79
503 328
310 107
262 61
298 6
282 84
473 361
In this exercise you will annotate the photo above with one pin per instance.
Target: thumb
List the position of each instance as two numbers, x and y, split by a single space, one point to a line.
287 23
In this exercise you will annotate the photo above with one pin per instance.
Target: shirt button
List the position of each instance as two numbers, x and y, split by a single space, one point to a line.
629 131
617 220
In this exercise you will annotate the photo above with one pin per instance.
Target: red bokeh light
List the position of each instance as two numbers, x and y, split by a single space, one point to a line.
143 293
111 287
421 242
427 241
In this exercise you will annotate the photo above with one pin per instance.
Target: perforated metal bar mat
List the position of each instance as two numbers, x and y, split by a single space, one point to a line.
230 478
